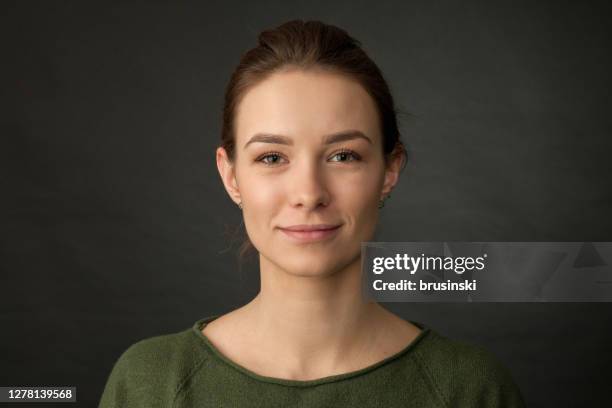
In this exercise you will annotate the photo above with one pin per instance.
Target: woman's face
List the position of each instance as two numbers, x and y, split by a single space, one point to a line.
290 170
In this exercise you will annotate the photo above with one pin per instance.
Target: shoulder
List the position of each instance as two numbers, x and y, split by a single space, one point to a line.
168 350
466 375
151 371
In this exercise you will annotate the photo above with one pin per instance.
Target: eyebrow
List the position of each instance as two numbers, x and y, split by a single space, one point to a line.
329 139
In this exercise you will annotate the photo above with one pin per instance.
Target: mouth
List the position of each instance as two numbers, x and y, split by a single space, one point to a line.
310 233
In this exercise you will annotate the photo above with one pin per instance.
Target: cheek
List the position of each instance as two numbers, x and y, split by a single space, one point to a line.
262 197
357 202
361 192
258 191
263 200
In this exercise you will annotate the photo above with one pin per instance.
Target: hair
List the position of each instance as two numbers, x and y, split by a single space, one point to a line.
307 45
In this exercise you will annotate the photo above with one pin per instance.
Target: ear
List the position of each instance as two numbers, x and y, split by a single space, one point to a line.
392 169
227 171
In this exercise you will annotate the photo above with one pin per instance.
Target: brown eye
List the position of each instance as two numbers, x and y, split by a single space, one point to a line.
274 156
345 154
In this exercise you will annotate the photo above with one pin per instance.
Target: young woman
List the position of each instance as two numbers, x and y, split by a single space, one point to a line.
310 150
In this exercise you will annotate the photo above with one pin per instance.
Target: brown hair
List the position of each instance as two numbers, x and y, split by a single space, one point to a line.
309 44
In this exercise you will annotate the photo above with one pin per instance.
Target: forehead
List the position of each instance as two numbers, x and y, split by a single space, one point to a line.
306 104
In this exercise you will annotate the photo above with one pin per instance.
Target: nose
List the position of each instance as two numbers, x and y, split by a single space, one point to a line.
307 186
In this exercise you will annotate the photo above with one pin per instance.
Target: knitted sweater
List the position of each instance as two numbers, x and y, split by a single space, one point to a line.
185 369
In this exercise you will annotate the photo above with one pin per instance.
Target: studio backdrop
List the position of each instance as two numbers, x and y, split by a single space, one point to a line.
115 225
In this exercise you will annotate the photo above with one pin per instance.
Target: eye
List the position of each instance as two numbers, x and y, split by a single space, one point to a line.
346 153
274 155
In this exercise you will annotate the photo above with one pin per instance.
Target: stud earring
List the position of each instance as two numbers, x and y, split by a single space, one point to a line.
240 205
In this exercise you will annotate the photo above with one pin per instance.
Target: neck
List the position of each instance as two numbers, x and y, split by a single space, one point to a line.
313 322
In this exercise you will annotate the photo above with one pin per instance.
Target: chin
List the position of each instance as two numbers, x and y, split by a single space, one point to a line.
312 266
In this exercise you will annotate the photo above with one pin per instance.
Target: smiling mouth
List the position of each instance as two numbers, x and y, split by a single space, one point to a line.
310 235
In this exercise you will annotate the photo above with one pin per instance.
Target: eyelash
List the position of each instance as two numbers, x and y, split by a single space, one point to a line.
273 153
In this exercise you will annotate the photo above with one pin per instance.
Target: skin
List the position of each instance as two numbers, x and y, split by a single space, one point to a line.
309 319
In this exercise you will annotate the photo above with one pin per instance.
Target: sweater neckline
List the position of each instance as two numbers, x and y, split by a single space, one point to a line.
201 323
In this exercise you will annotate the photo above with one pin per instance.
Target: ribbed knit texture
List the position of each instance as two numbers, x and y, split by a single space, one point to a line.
185 369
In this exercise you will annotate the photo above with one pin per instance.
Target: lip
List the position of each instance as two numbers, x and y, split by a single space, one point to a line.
310 233
311 227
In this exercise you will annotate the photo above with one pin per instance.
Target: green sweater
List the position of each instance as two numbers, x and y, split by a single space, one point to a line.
185 369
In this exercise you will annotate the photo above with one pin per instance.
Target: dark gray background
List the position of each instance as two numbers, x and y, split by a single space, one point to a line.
115 225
